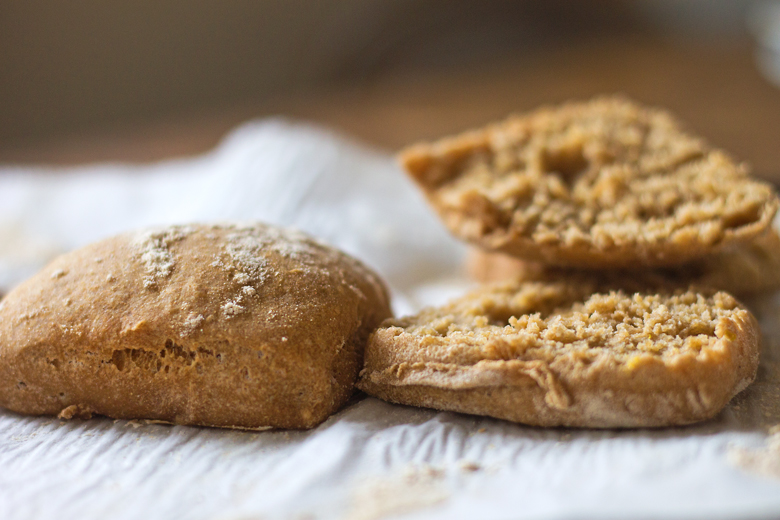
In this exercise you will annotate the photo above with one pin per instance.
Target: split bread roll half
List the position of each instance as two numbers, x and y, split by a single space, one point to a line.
571 352
606 183
241 326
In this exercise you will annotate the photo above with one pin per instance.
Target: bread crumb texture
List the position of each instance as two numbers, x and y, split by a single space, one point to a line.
601 183
576 352
236 325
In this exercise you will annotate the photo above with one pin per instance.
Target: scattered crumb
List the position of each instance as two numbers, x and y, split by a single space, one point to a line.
481 430
470 466
75 411
418 487
764 461
23 438
59 273
110 278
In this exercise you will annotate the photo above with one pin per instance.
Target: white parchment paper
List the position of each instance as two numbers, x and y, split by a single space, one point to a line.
371 460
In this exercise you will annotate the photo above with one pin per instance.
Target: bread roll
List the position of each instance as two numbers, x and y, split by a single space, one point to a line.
240 326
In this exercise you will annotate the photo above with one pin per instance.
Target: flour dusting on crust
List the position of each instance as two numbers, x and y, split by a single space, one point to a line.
192 323
154 251
245 258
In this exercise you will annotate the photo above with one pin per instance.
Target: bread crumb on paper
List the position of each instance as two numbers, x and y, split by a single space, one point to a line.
764 461
416 488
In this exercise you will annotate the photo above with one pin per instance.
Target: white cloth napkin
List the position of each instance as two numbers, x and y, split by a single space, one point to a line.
371 460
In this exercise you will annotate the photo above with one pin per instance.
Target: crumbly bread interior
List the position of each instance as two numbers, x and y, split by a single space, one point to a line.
540 321
602 183
577 351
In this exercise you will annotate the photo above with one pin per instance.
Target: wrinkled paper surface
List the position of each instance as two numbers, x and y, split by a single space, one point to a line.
371 460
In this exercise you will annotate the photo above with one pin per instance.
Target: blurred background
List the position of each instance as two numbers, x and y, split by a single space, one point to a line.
104 80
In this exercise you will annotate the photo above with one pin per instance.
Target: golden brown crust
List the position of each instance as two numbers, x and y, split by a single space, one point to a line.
576 352
606 183
745 269
245 326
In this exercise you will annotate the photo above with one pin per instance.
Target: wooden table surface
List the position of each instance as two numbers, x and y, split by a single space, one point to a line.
715 88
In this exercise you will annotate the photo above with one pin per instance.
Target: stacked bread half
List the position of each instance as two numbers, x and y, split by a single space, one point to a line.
613 238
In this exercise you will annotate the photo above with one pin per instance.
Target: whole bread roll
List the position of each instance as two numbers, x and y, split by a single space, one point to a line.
241 326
